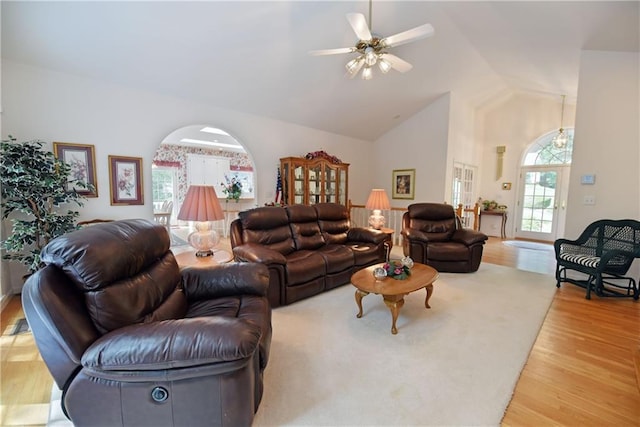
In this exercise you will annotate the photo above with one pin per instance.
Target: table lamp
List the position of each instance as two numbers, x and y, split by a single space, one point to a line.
377 201
201 205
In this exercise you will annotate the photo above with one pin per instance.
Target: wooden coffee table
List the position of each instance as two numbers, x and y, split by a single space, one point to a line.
392 290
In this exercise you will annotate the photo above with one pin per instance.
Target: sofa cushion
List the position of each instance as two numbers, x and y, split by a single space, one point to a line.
334 222
304 227
125 269
366 253
436 219
303 266
269 227
337 258
447 251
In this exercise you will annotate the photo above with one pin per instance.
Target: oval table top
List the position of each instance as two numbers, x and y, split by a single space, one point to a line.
421 276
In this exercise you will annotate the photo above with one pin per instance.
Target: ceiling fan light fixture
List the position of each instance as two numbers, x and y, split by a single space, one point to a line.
367 74
370 57
354 65
372 49
384 66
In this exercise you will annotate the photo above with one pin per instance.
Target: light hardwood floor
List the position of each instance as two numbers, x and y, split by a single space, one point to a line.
581 370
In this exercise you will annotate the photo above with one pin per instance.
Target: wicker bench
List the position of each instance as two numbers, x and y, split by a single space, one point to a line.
604 253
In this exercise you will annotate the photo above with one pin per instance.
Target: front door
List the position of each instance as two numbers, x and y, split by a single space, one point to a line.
541 202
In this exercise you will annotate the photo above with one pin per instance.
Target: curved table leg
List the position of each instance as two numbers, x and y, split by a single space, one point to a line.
359 295
394 303
429 289
503 231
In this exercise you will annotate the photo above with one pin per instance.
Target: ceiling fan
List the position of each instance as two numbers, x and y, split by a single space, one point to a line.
373 50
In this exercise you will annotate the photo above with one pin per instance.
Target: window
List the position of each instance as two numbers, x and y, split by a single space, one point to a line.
543 152
162 185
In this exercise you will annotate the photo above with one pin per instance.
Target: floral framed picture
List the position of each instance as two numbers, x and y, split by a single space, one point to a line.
125 180
403 184
82 160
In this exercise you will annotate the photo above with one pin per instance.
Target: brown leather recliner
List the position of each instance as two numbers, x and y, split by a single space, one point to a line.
432 235
133 340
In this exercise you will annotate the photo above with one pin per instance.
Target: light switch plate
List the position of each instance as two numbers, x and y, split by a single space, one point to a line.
588 179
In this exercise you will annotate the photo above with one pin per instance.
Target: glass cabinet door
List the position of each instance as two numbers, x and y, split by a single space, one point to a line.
342 189
331 184
315 183
298 184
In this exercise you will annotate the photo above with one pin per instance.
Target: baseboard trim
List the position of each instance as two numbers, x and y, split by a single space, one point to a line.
4 301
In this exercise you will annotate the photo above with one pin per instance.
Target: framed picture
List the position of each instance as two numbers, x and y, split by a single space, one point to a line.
82 160
125 180
403 183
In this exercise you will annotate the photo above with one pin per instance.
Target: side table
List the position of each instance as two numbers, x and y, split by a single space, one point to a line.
389 244
189 258
503 225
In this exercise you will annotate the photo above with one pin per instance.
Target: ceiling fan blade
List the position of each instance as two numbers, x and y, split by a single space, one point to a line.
397 63
332 51
417 33
359 25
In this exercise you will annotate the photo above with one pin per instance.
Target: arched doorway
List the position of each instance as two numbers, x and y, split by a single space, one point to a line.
543 187
202 155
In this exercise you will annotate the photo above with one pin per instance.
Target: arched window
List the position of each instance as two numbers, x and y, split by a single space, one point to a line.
544 152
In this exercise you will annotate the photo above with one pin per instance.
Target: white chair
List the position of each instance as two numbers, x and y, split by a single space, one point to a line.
163 216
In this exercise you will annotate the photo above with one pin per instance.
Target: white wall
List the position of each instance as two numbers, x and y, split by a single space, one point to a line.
463 145
419 143
51 106
514 122
607 140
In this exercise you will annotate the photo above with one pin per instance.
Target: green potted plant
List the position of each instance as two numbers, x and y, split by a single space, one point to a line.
489 205
232 189
36 188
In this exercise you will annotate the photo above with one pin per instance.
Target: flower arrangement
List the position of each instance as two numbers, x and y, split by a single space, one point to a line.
232 189
323 155
397 269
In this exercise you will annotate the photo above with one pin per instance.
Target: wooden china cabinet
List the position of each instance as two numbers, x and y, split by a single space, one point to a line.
321 178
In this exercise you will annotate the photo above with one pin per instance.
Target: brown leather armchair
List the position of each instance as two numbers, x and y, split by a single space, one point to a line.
131 339
432 235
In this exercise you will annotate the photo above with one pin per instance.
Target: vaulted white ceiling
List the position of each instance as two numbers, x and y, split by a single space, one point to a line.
253 56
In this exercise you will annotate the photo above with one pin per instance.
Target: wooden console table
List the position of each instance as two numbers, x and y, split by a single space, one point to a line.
501 213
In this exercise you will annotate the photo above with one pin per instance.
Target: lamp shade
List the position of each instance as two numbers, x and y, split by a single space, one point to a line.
378 200
201 204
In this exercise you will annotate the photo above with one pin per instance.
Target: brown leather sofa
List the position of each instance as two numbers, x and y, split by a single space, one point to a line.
433 235
133 340
308 249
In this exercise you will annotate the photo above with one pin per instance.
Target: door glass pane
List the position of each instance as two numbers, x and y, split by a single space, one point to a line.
539 201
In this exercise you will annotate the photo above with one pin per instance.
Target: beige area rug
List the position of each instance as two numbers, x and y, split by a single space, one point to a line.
455 364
